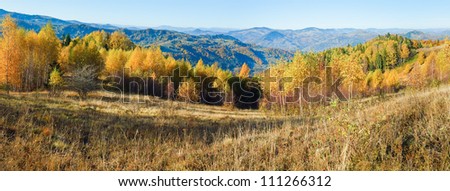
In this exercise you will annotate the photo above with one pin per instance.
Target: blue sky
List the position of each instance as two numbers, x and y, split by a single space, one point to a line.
281 14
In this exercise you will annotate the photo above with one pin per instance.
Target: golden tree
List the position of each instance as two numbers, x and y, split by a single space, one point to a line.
245 71
85 54
428 69
391 80
115 61
377 81
200 69
12 54
170 66
188 92
136 62
49 47
32 67
118 40
421 57
297 71
443 65
155 63
99 38
352 71
56 81
185 68
405 52
391 53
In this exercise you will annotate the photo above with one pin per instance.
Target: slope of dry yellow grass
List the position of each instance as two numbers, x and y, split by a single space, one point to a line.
406 132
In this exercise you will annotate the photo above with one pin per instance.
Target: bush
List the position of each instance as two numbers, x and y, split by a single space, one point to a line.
84 80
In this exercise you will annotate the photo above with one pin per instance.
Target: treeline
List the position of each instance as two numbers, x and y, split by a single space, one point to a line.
26 56
32 61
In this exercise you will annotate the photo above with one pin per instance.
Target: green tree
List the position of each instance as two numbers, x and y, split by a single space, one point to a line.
67 40
379 62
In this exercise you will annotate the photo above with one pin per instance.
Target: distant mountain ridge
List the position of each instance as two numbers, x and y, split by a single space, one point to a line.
315 39
228 51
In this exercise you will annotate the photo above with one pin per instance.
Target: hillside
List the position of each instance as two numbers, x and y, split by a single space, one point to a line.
401 132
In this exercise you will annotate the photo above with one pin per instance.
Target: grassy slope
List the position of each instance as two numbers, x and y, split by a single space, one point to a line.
406 132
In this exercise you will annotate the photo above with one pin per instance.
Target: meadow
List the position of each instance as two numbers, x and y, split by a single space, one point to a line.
404 131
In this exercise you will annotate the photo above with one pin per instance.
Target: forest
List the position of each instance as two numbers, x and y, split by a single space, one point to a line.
40 60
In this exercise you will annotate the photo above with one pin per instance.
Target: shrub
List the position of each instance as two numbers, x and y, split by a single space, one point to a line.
83 80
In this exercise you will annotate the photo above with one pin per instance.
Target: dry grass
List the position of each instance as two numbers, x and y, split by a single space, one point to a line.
407 132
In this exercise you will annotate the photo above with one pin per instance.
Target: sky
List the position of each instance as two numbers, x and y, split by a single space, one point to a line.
239 14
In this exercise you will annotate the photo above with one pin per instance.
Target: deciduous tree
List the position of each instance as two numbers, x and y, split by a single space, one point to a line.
405 52
118 40
12 53
115 61
245 71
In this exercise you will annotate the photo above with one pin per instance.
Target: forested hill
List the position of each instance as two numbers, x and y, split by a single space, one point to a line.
257 47
229 52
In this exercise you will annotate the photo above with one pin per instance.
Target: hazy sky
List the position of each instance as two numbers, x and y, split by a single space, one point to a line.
281 14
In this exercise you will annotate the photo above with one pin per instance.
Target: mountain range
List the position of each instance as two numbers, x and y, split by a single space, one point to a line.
257 46
229 52
315 39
